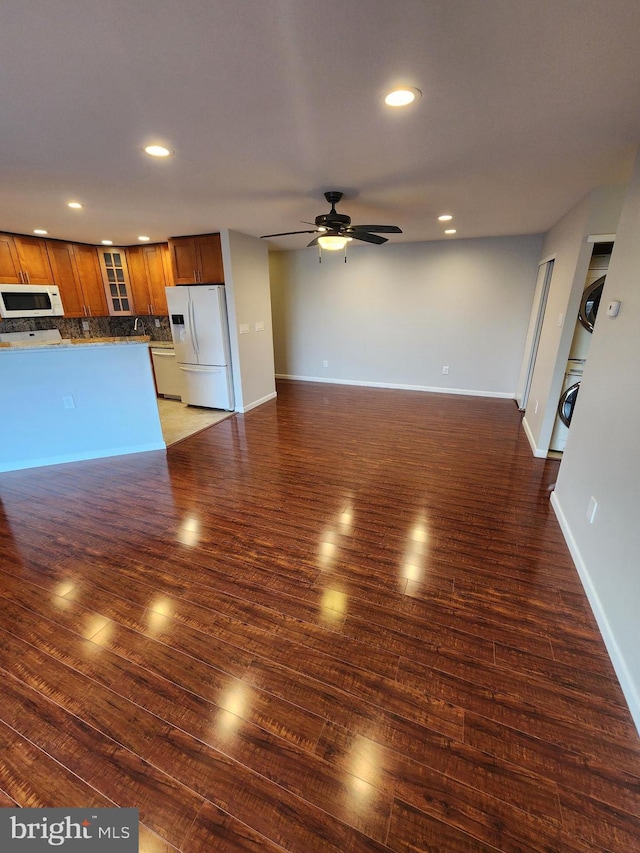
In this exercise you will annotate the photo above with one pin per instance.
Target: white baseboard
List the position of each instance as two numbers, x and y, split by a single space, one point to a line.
101 453
541 454
257 403
505 395
629 688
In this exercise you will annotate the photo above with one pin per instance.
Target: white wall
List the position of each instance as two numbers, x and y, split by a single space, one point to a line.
602 459
246 275
396 314
115 408
566 243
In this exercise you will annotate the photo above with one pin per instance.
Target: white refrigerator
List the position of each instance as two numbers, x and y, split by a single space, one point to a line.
200 331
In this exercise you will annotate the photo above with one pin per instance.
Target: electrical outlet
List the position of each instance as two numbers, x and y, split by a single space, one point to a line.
69 402
445 369
85 325
325 363
591 509
157 323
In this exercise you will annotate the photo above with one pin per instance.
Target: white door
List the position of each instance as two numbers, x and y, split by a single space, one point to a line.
210 330
180 319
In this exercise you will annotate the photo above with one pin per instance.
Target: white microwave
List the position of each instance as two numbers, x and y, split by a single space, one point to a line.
30 300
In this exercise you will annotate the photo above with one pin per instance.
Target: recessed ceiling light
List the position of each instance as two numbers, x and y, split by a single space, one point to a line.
450 231
446 217
107 242
158 151
144 239
402 97
75 205
39 231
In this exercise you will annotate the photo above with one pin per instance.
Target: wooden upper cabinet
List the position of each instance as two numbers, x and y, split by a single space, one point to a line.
197 260
24 260
138 280
210 257
34 260
148 279
115 275
65 275
76 271
88 267
155 265
184 260
9 261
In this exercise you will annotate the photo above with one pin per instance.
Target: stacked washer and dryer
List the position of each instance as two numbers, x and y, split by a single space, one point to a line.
587 314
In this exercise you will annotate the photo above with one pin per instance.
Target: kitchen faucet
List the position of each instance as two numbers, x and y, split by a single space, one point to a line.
135 324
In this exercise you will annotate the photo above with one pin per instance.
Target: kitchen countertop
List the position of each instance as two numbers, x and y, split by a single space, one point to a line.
161 344
71 343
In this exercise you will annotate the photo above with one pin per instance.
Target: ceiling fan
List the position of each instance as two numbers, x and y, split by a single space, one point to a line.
335 230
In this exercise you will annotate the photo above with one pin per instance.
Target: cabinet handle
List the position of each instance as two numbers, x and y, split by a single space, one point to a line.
26 275
21 278
195 275
150 307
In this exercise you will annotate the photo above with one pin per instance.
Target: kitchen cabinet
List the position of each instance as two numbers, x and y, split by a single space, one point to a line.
147 277
9 261
115 277
24 260
197 260
76 271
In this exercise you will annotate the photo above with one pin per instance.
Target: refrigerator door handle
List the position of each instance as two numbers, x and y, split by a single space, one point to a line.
192 328
196 368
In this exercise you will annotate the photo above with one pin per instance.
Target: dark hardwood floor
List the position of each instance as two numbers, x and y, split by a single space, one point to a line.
346 621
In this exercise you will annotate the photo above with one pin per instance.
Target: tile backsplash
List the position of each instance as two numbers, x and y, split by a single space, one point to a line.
99 327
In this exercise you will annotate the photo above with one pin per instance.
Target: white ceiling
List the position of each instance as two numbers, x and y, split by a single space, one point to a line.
527 105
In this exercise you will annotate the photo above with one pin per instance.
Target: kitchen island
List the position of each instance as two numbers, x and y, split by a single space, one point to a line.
76 399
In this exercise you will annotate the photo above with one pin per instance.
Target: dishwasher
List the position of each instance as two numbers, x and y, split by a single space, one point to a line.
168 374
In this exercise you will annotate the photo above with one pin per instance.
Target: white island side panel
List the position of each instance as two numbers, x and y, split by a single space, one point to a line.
65 404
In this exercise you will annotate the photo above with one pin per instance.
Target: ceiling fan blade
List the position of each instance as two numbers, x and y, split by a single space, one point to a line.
363 235
378 229
287 233
314 242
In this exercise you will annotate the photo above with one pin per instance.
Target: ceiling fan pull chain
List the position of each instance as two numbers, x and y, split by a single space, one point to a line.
345 253
319 253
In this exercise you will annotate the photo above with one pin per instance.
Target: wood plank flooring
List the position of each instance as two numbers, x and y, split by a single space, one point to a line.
346 621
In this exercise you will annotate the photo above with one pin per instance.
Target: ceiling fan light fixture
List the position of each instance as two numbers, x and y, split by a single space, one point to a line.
446 217
333 242
402 97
